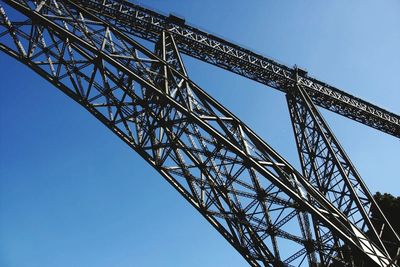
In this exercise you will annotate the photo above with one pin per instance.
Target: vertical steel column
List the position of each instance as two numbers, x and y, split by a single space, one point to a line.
326 165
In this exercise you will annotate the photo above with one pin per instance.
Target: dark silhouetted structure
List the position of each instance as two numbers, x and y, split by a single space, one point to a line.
269 212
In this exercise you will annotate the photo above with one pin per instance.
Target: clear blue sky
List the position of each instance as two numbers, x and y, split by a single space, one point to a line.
72 194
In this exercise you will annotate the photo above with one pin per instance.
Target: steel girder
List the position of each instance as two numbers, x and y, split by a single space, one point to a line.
325 164
147 24
246 190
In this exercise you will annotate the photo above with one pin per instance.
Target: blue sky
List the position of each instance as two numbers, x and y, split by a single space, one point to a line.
73 194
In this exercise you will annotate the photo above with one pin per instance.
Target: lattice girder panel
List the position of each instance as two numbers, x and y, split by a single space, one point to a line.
136 20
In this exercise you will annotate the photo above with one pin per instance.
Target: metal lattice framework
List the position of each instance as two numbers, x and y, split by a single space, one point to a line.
147 24
270 213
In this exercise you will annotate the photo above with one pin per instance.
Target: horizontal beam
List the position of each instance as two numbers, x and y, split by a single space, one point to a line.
147 24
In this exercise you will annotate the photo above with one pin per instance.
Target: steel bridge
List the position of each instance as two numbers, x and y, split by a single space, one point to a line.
272 214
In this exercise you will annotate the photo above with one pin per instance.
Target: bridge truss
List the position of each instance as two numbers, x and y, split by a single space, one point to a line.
269 212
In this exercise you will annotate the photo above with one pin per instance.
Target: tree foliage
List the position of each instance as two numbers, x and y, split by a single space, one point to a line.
390 207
